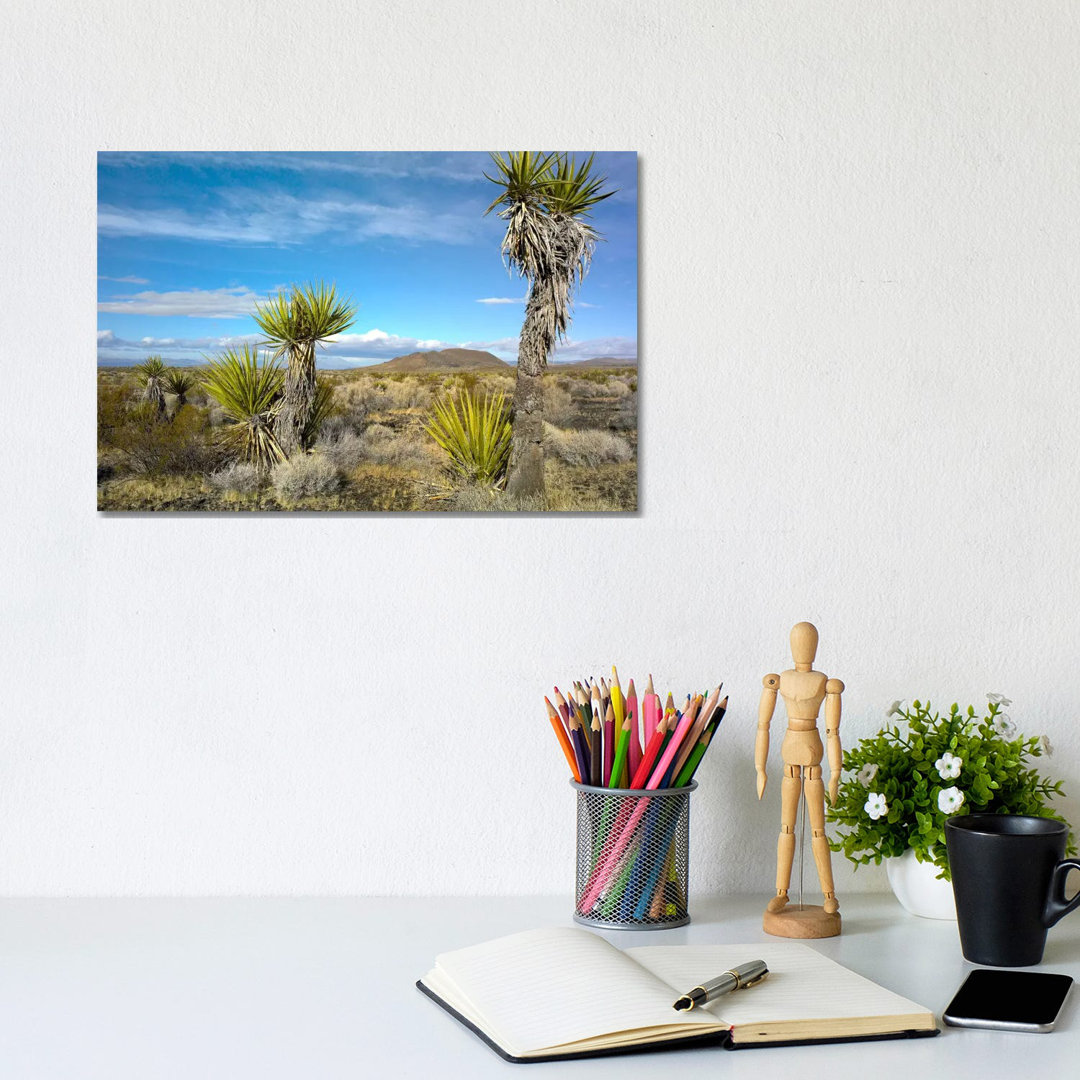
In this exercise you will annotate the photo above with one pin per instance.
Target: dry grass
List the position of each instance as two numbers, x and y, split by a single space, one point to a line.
304 476
238 477
589 448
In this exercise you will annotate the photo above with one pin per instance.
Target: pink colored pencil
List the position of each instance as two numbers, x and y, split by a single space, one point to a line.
635 728
603 874
703 716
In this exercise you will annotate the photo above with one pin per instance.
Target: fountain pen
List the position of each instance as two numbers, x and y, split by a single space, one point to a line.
738 978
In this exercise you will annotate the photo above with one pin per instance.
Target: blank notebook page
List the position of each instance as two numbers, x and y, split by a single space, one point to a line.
544 988
802 984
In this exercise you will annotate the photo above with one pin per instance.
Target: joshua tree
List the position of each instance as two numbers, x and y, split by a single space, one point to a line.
152 373
294 323
249 394
544 201
180 383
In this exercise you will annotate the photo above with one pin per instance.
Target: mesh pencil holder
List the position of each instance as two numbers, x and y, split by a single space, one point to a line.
633 857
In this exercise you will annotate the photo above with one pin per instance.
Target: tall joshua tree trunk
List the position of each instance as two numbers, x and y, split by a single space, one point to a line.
298 398
525 475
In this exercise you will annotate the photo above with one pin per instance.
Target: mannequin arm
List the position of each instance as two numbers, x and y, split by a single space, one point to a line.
833 689
761 744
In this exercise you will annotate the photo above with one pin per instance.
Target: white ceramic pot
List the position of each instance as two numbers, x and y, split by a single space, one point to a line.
917 886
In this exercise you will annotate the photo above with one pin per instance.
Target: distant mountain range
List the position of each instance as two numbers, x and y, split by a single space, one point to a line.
599 362
476 360
443 360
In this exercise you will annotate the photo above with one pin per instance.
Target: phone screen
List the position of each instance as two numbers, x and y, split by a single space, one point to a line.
1020 1000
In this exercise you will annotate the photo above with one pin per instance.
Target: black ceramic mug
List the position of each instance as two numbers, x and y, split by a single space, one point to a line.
1008 877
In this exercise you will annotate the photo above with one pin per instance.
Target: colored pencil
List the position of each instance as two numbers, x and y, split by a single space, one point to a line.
634 757
609 744
622 750
596 755
704 714
564 740
578 741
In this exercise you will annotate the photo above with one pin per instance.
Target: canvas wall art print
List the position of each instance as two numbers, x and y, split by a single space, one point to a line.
399 331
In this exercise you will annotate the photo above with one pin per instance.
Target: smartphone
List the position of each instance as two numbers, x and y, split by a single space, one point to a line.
1012 1000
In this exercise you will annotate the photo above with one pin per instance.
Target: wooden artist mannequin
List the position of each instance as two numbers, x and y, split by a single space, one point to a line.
803 691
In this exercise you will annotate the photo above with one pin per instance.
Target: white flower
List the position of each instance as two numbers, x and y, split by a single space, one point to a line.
1003 725
950 800
948 766
895 709
1047 748
866 774
998 699
876 806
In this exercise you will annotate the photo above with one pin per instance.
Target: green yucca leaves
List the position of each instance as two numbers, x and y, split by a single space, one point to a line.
180 383
151 375
294 323
153 367
303 315
249 394
475 432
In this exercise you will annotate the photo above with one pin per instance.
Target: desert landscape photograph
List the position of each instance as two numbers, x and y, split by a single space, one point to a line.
399 331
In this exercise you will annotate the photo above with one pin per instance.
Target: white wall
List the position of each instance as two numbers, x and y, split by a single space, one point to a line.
859 338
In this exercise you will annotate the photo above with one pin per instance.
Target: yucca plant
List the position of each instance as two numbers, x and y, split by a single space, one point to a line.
545 199
475 432
294 322
250 394
322 407
180 383
151 374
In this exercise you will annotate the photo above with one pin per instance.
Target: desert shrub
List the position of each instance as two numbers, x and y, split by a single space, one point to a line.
149 445
240 477
587 388
345 450
624 417
304 474
407 393
358 400
616 388
384 446
335 426
558 404
464 380
587 447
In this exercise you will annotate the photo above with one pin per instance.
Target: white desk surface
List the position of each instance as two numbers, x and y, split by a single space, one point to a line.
324 988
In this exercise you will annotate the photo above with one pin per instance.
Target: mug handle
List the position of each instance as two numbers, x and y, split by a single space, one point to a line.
1056 905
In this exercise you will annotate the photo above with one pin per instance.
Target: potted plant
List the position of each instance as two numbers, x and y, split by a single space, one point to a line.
900 786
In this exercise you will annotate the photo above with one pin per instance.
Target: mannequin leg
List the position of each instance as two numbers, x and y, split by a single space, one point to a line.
815 805
790 790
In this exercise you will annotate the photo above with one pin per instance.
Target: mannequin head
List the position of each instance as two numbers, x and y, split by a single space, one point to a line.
804 640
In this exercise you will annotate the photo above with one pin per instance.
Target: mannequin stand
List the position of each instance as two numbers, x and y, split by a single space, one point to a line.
802 921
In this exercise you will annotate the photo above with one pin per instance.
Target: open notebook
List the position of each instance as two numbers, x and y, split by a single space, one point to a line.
562 992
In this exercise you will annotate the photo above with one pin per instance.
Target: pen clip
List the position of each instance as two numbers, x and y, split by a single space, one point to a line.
754 981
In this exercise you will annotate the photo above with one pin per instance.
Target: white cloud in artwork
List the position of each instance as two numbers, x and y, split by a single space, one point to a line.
281 220
230 303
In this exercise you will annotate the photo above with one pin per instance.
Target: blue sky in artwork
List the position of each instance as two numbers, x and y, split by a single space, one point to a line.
188 243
